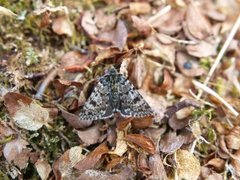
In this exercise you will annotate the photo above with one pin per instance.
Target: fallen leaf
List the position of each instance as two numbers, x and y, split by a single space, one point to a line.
6 12
202 49
142 164
217 164
139 7
16 151
115 161
142 141
196 23
90 136
170 142
74 120
63 166
142 123
26 113
88 24
188 65
236 164
121 145
188 166
43 169
118 36
157 167
95 174
63 26
171 22
73 61
142 26
92 158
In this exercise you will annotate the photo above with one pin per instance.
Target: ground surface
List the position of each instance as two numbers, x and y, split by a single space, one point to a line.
183 57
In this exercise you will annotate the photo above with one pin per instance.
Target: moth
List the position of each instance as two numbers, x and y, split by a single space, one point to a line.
114 93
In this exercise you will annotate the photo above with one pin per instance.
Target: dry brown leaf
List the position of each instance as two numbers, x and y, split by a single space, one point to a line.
157 167
142 123
236 164
233 138
88 24
74 120
142 141
91 160
170 142
182 85
95 174
202 49
26 113
63 166
177 124
90 136
142 164
171 22
142 26
118 36
16 151
217 164
115 161
73 61
43 169
188 166
196 23
121 145
139 7
63 26
188 65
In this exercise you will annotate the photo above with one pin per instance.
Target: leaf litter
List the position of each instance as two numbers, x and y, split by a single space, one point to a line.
182 57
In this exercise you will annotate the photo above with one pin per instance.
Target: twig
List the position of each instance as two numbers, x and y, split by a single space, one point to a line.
159 14
45 83
221 53
213 93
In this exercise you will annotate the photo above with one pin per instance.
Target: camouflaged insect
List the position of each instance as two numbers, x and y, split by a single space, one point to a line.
114 93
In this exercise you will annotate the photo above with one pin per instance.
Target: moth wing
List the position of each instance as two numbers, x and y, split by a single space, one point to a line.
97 106
132 102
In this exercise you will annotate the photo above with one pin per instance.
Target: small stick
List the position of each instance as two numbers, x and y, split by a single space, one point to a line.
221 53
45 83
213 93
159 14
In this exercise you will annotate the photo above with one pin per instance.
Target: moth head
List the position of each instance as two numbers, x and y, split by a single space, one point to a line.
111 70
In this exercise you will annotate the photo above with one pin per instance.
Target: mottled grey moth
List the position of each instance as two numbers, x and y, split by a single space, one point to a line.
114 93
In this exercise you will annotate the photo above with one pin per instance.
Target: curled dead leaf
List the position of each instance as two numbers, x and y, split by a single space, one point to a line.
63 26
142 26
73 61
170 142
91 159
16 151
217 163
197 24
142 141
27 114
157 167
139 7
121 145
188 65
63 166
90 136
43 169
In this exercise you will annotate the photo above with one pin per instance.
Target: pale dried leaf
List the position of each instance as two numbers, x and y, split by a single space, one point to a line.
121 146
90 136
6 12
63 166
31 117
43 169
188 166
63 26
13 148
